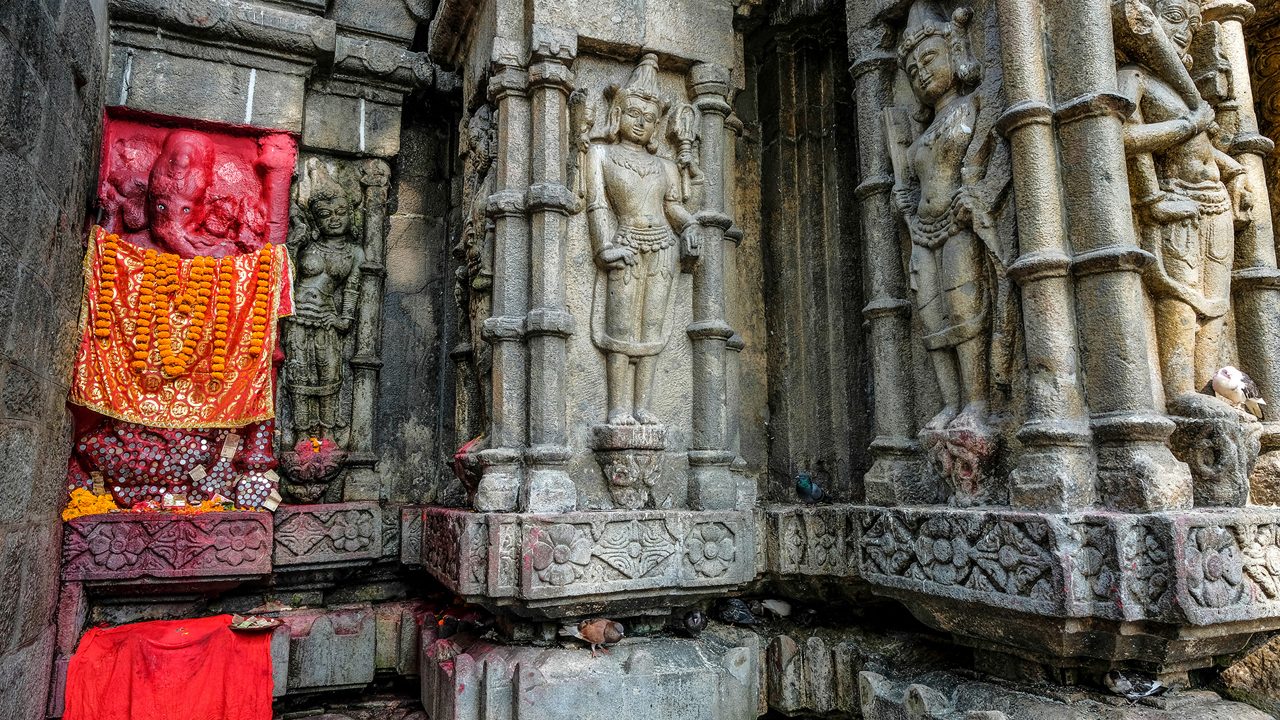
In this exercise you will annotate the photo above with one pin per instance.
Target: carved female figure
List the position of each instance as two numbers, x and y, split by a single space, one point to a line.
1185 212
326 291
935 191
634 211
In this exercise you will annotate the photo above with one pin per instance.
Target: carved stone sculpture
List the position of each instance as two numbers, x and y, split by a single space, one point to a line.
640 227
474 275
940 180
637 219
1189 196
326 290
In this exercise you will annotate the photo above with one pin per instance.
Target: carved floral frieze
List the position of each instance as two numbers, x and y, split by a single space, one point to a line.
587 553
327 534
121 547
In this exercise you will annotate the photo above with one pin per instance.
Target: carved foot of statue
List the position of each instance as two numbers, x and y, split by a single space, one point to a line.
647 418
622 417
943 418
631 458
973 417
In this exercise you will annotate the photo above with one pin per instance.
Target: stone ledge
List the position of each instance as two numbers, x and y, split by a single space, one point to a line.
143 548
712 678
330 535
552 565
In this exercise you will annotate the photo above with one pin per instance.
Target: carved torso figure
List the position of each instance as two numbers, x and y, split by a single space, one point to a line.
635 215
326 291
933 190
1186 214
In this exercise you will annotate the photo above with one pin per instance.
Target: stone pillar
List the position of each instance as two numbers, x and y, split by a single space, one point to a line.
1255 280
711 486
364 482
895 452
548 487
508 91
1136 470
1055 470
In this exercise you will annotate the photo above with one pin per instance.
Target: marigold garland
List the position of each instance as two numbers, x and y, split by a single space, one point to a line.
226 277
83 502
146 313
106 288
261 300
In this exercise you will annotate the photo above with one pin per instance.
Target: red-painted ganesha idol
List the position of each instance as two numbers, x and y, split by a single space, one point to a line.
184 280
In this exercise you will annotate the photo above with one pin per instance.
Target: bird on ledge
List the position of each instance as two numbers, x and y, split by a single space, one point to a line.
597 632
1237 389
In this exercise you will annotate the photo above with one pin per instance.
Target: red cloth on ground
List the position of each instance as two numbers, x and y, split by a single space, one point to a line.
171 670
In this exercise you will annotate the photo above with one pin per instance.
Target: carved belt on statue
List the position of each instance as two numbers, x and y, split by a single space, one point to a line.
316 390
1211 195
650 239
933 233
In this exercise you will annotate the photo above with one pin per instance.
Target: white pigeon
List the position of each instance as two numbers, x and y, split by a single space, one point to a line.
1133 687
1238 389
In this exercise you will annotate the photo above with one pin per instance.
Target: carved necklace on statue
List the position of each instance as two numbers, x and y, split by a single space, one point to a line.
640 166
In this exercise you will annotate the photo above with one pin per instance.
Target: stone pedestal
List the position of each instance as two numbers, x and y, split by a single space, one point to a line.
631 457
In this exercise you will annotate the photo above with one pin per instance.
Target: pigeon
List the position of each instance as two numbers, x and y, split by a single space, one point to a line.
695 621
808 489
780 608
736 612
1133 687
1238 389
596 632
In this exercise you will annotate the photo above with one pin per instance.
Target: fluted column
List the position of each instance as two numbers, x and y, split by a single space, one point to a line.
1136 469
504 329
364 483
1055 470
895 452
711 485
548 487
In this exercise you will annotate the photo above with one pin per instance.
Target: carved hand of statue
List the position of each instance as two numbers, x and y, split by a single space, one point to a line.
1168 209
685 161
1242 199
614 257
1201 118
340 324
691 238
904 199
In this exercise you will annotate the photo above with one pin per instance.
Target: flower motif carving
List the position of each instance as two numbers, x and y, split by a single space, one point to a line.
115 545
235 550
944 554
351 532
560 554
710 549
792 541
635 548
1214 567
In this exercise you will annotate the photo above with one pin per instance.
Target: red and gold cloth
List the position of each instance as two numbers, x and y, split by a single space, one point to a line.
105 379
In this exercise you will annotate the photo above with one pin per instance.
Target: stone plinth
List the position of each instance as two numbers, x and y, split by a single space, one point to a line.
571 563
1033 576
144 549
331 535
707 679
631 458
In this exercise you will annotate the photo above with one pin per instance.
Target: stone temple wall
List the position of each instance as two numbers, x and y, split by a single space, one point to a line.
52 73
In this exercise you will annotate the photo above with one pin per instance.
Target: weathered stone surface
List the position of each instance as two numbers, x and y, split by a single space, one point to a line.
350 125
330 649
327 535
664 677
147 547
555 564
1255 677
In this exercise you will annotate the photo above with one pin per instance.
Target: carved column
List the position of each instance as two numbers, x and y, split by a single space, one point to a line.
1255 280
895 452
508 91
1055 471
364 483
548 487
1136 470
711 486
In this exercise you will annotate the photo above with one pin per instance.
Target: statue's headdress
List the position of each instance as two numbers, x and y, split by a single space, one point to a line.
926 19
643 84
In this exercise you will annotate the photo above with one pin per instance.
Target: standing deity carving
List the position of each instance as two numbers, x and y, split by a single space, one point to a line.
474 275
1189 197
638 222
945 191
325 237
